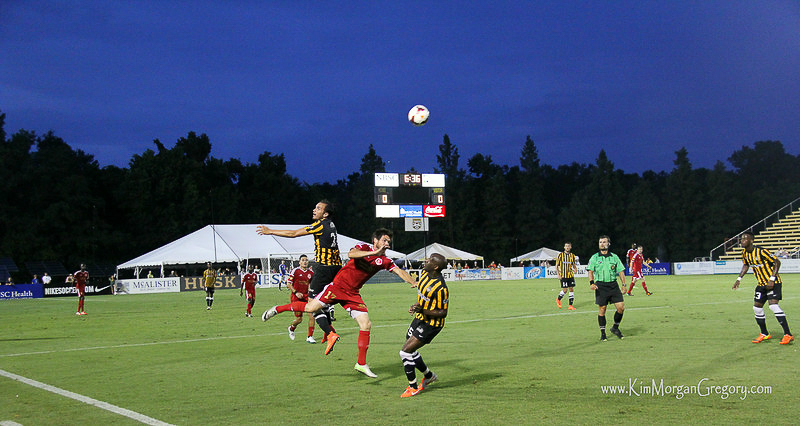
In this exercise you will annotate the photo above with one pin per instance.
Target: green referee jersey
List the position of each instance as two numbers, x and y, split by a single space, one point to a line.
606 267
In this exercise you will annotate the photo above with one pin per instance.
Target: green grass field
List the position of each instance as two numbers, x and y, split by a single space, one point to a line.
506 356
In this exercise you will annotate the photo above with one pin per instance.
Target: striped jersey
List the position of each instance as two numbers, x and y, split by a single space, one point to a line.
432 294
209 276
565 262
763 264
326 247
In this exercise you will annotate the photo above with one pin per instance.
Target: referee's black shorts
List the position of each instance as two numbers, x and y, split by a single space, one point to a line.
323 275
607 292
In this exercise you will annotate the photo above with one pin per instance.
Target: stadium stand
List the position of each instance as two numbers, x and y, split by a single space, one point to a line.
7 266
52 267
781 236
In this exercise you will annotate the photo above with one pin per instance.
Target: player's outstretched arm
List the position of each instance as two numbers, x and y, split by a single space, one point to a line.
405 276
288 233
745 267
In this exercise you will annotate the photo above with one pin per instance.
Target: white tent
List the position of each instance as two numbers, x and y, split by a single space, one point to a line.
235 243
448 252
539 254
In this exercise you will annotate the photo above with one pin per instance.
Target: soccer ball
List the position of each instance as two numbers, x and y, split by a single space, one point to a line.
418 115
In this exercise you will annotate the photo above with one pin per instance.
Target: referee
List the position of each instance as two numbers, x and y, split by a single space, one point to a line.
604 268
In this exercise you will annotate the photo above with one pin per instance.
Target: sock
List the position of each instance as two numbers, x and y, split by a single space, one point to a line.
761 320
80 305
310 329
294 306
249 308
644 286
560 295
781 317
420 364
571 297
633 283
617 319
602 321
408 367
210 301
322 321
363 345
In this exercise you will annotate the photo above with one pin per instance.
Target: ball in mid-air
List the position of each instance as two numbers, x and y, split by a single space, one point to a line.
418 115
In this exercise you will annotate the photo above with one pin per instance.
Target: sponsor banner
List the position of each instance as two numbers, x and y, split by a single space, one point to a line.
658 269
582 273
694 268
415 224
269 280
64 289
411 211
535 272
788 266
433 211
149 285
222 282
730 267
21 291
515 273
478 274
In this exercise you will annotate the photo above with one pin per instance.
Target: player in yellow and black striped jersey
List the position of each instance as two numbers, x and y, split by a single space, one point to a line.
326 253
209 279
769 286
566 267
429 313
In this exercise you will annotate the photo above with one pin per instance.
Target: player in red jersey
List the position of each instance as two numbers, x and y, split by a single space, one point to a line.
635 264
249 284
297 283
365 261
81 278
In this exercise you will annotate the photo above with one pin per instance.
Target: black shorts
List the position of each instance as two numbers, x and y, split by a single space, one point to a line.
606 293
567 282
424 332
210 290
323 275
762 294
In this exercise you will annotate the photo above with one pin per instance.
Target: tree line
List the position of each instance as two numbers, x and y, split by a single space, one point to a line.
60 204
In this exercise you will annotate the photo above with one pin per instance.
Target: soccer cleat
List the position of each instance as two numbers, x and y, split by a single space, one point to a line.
77 313
291 333
649 293
603 338
332 339
325 338
411 391
83 312
572 308
208 308
629 294
426 382
310 339
248 315
615 331
762 337
269 313
786 339
558 303
365 369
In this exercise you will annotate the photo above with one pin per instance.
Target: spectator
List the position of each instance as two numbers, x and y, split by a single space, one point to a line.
149 274
46 278
35 279
173 273
10 281
70 280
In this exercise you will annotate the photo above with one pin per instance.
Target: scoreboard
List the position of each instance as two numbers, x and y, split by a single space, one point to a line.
409 195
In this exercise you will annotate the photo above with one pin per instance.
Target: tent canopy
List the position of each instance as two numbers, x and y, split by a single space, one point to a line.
234 243
539 254
447 252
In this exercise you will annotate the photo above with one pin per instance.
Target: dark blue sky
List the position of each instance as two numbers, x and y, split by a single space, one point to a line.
320 81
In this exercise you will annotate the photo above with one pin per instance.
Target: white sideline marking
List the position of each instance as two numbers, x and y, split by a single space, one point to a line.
85 399
9 423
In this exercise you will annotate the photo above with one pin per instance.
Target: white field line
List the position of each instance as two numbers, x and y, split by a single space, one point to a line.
85 399
206 339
